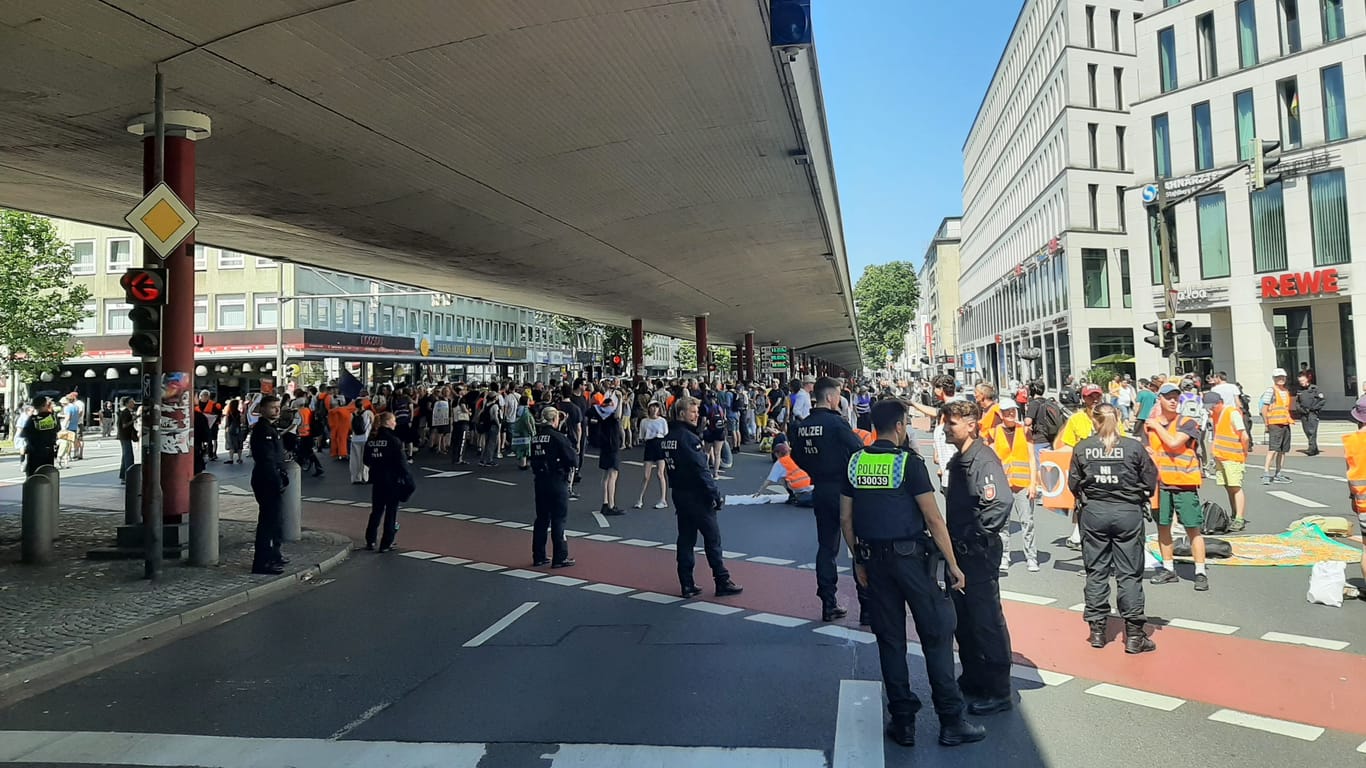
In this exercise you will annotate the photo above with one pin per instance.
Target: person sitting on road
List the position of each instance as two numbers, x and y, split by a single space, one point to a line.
800 489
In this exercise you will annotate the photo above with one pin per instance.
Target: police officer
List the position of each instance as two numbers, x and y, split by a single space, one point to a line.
822 445
268 483
553 459
696 500
978 502
390 480
40 436
1113 477
893 527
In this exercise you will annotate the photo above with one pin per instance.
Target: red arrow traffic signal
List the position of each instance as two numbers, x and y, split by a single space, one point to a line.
144 286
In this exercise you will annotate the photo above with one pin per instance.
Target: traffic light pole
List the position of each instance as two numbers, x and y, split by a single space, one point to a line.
1164 250
151 388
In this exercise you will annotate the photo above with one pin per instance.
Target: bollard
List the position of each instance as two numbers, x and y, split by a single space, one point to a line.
292 508
204 520
52 474
36 524
132 496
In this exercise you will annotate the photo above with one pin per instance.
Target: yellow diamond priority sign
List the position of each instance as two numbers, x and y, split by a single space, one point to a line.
162 220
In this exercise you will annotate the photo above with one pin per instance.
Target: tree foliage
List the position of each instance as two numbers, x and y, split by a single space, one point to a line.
607 339
40 305
885 298
687 357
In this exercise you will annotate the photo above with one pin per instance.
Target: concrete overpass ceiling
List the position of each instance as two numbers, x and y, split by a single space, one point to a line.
606 158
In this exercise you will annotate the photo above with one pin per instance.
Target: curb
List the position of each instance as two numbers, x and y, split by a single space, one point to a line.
104 646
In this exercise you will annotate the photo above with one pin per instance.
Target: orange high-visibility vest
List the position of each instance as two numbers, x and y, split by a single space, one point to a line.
796 476
1014 455
1228 443
1278 412
305 422
864 435
987 426
1176 467
1355 443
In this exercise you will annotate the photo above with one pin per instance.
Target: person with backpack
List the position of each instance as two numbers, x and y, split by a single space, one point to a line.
713 430
488 426
358 431
1231 446
1043 418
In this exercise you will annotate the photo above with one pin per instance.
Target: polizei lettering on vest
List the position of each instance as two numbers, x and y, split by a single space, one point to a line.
814 431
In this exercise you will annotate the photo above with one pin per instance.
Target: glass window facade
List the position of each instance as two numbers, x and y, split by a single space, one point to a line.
1095 278
1350 387
1288 92
1166 58
1268 229
1246 12
1334 104
83 256
1334 25
1125 284
1212 217
1204 136
1290 26
1162 146
1293 334
1245 118
1328 210
1155 252
1205 48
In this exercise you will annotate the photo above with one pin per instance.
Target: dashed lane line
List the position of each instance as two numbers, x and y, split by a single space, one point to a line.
1312 642
486 567
727 554
858 726
451 560
419 555
1362 748
1035 675
608 589
601 518
563 581
496 481
1021 597
1202 626
656 597
1293 499
1135 696
1319 475
500 625
640 542
510 524
714 608
574 534
522 573
461 516
1268 724
485 520
435 513
846 633
771 560
777 620
602 537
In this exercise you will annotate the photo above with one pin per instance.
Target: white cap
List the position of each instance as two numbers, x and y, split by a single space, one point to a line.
1278 372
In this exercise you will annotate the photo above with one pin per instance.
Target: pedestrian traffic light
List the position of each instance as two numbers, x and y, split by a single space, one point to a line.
616 363
1181 338
146 338
1262 161
1155 328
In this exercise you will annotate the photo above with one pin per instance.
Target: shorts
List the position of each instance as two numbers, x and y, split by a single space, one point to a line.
654 449
442 429
609 460
1278 438
1229 473
1187 506
714 436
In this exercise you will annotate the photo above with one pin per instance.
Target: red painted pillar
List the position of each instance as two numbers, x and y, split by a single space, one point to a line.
749 356
702 356
637 347
177 334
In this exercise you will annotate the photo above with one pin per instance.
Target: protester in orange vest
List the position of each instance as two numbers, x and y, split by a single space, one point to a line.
339 425
1276 416
868 437
1012 445
213 413
1172 441
801 491
1355 445
1230 447
303 429
985 394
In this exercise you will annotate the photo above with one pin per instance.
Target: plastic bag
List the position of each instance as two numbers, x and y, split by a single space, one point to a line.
1326 583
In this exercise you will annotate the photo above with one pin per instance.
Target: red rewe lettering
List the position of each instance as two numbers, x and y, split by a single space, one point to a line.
1330 281
1271 287
1310 283
1288 287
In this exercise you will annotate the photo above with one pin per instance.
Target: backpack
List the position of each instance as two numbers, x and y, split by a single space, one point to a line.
716 417
1217 549
485 419
741 403
1193 408
319 421
358 422
1049 421
1217 519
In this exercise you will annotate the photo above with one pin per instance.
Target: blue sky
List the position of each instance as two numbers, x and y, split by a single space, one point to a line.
902 81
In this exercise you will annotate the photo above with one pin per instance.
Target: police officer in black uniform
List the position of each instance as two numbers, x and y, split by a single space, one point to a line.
893 527
978 501
1113 479
822 445
40 436
268 483
553 459
390 480
696 500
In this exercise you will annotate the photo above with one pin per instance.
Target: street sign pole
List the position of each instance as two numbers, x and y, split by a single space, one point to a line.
151 388
1164 250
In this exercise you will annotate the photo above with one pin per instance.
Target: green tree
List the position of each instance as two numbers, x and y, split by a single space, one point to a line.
40 305
686 356
885 298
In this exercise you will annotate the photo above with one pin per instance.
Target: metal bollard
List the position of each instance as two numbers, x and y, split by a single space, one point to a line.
52 474
132 496
292 508
36 532
204 520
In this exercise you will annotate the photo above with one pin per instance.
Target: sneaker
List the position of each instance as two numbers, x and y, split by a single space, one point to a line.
1266 479
1033 566
1201 582
1005 566
1237 525
638 505
1281 480
662 505
566 563
540 562
1163 576
1073 545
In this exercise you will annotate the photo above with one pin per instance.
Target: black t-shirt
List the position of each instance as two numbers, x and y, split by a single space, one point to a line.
573 416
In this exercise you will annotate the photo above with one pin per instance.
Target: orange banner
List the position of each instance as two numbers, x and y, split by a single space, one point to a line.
1053 469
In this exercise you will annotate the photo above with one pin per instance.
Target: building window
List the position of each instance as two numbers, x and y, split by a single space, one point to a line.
1114 30
83 257
1162 147
339 308
116 317
1121 156
1246 123
89 315
357 315
120 255
1288 92
1213 222
1166 58
1290 26
1268 229
386 320
372 316
450 326
1092 193
1349 350
1119 88
263 263
1328 210
401 321
1091 145
1091 70
1095 278
426 322
1334 104
201 258
201 314
1204 137
267 310
1293 334
303 313
324 313
1155 253
1334 27
1204 46
1247 33
1119 208
232 312
1090 26
231 260
1125 285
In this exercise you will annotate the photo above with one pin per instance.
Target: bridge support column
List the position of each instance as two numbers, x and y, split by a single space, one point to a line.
703 358
637 348
749 356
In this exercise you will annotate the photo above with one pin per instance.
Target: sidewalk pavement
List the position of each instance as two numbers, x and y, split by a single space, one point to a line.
57 616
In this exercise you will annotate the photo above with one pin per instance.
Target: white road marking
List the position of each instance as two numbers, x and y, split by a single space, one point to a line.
141 749
359 721
563 581
451 560
499 482
635 463
776 620
500 625
858 726
522 573
436 473
1079 607
640 542
608 589
1312 642
845 633
510 524
1202 626
841 569
633 756
315 499
807 566
574 534
419 555
915 649
1135 696
1021 597
716 608
343 502
1269 724
486 567
461 516
485 520
1293 499
590 456
361 504
669 547
1319 475
1362 748
655 597
602 521
771 560
602 537
732 555
1036 675
435 513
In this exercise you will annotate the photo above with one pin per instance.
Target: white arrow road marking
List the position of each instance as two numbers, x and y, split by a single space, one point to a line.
435 473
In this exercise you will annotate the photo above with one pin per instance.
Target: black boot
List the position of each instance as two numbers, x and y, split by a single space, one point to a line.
1098 638
728 588
955 732
902 731
1135 640
833 611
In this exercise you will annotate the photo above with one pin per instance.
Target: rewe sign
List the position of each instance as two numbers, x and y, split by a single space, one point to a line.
1318 283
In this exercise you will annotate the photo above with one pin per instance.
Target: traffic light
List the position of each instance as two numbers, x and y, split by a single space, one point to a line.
1181 339
145 289
1262 161
146 338
616 364
1155 329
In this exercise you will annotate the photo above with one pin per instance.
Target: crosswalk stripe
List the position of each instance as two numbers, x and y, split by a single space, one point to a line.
1293 499
1135 696
1312 642
846 633
771 560
419 555
716 608
1268 724
1202 626
1020 597
777 620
